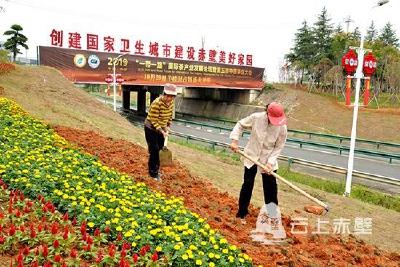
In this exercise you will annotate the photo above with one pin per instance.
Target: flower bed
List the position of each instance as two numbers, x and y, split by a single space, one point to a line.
37 161
34 234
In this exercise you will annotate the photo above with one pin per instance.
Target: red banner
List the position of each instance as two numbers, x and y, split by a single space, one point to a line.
85 66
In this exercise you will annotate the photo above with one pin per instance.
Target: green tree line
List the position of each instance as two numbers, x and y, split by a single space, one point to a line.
318 50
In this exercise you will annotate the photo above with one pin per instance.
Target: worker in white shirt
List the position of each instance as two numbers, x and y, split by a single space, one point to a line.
267 139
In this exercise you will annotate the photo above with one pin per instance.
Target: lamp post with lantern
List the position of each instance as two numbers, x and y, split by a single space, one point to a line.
358 75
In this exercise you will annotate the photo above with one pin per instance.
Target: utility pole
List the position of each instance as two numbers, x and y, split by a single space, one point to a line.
348 20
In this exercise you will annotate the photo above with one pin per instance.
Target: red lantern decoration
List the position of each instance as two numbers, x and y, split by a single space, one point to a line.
369 64
350 62
109 78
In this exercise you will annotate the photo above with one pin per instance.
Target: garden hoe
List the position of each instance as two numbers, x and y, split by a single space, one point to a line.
318 210
165 155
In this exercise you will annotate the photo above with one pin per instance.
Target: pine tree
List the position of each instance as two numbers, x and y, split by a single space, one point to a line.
388 35
302 54
339 29
322 32
372 33
356 35
17 39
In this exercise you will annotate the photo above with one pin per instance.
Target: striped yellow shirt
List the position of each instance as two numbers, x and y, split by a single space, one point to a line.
160 114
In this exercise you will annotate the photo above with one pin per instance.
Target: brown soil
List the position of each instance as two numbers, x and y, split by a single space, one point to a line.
219 209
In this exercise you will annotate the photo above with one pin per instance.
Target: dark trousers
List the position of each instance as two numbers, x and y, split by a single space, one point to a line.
155 142
269 186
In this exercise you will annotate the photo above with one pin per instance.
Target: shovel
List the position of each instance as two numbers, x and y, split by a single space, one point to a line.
165 155
316 210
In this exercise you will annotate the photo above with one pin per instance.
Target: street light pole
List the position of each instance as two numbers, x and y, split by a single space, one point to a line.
358 75
115 80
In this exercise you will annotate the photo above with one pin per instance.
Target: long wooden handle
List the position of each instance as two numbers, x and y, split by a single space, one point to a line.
166 141
319 202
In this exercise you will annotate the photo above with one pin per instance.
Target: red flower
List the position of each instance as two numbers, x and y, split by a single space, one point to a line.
143 251
54 228
26 251
89 240
74 221
87 247
2 240
99 257
111 250
123 253
18 213
84 237
107 230
65 217
47 264
34 264
97 232
40 227
29 204
155 256
22 228
135 258
20 257
119 237
45 251
122 262
12 230
126 246
83 228
74 253
65 235
57 258
56 243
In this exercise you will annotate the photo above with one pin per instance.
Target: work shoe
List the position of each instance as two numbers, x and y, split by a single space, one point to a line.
158 177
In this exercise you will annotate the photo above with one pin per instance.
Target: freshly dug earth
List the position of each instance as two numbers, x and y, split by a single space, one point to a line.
219 208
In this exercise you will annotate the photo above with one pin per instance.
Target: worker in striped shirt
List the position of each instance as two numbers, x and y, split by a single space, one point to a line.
157 125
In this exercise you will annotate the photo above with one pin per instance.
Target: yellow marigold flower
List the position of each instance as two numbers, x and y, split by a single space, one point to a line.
231 259
90 224
211 264
225 251
185 257
241 260
211 255
134 244
199 262
158 249
223 241
177 247
128 234
119 228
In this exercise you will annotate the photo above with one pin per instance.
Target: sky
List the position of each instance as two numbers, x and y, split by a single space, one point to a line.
261 28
